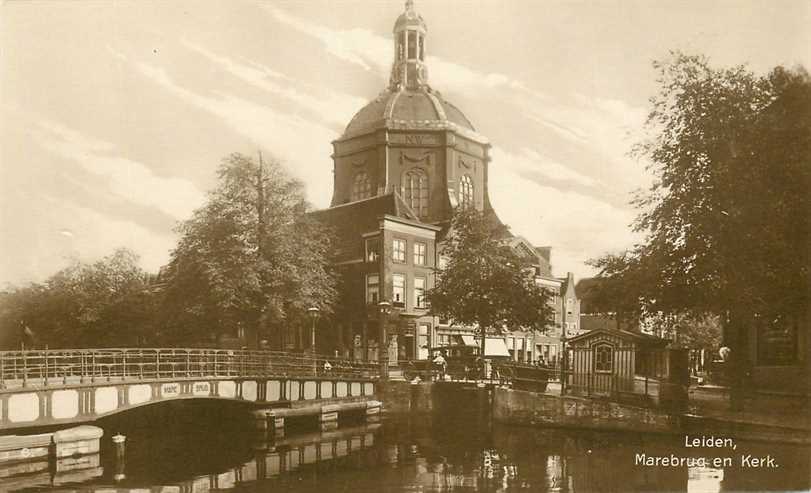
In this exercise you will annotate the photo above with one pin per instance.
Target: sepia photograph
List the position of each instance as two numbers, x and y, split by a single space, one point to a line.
383 246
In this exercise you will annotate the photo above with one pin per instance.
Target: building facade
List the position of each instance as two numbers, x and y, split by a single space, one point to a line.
404 163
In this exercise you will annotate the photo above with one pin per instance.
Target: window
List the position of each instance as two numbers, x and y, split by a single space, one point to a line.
603 358
415 191
569 304
419 253
423 340
422 47
372 289
361 187
443 340
466 191
398 250
398 290
372 249
412 45
419 292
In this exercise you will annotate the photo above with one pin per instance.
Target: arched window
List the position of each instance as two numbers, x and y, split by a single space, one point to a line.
603 358
466 191
415 191
361 188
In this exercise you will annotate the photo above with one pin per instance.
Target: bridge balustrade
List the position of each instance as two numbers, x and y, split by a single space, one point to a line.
73 366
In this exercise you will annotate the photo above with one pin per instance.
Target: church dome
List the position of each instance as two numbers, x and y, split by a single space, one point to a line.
409 103
421 109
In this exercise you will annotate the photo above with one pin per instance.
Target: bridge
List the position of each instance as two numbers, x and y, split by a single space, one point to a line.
53 387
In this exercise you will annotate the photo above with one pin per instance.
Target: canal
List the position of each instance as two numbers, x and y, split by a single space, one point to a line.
201 448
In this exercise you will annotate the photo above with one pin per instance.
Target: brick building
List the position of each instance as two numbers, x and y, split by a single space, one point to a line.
404 163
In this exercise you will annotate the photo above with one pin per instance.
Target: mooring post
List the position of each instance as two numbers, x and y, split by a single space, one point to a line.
119 442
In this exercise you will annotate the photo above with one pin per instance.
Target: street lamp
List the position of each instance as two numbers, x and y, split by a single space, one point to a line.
383 354
313 313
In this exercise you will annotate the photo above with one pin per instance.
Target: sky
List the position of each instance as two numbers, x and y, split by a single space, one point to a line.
116 114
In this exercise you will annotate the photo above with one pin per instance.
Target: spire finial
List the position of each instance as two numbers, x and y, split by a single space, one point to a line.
409 6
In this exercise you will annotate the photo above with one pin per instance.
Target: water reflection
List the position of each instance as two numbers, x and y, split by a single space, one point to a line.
439 454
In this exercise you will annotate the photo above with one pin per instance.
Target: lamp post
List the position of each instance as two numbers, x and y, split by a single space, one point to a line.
383 354
313 313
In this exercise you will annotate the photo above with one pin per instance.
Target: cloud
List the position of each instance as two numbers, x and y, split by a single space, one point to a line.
302 145
601 126
529 161
577 226
126 179
329 106
360 47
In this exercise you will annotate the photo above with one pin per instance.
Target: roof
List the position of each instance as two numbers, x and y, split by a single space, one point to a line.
351 220
409 18
410 109
639 337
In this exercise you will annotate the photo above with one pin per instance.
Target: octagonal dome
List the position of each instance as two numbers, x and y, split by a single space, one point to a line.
403 109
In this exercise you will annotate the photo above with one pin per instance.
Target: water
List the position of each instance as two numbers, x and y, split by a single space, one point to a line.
193 449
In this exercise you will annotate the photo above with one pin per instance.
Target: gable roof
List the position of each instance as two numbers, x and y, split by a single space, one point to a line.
639 337
352 220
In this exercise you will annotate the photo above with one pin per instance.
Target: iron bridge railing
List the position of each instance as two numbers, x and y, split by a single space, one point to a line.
78 366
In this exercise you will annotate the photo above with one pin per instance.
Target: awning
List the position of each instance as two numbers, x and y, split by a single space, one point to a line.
495 347
468 340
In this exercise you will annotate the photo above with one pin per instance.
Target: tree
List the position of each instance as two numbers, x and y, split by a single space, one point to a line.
485 282
106 303
248 258
726 220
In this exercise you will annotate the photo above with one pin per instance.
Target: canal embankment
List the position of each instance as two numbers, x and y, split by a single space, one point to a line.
518 407
533 409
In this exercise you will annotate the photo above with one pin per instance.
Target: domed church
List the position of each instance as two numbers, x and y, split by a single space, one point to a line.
411 141
404 163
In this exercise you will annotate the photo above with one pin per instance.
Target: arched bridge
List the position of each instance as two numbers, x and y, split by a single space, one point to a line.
50 387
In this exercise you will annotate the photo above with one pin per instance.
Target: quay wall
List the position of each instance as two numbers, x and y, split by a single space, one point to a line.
404 397
530 409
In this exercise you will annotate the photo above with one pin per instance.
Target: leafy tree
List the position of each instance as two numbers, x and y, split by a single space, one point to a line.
485 282
701 331
105 303
249 257
727 218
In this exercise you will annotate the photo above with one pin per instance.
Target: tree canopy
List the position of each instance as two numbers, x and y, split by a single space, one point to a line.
485 282
105 303
250 257
727 218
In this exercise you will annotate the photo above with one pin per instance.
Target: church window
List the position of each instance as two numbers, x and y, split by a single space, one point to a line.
422 47
412 45
466 191
415 191
361 187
